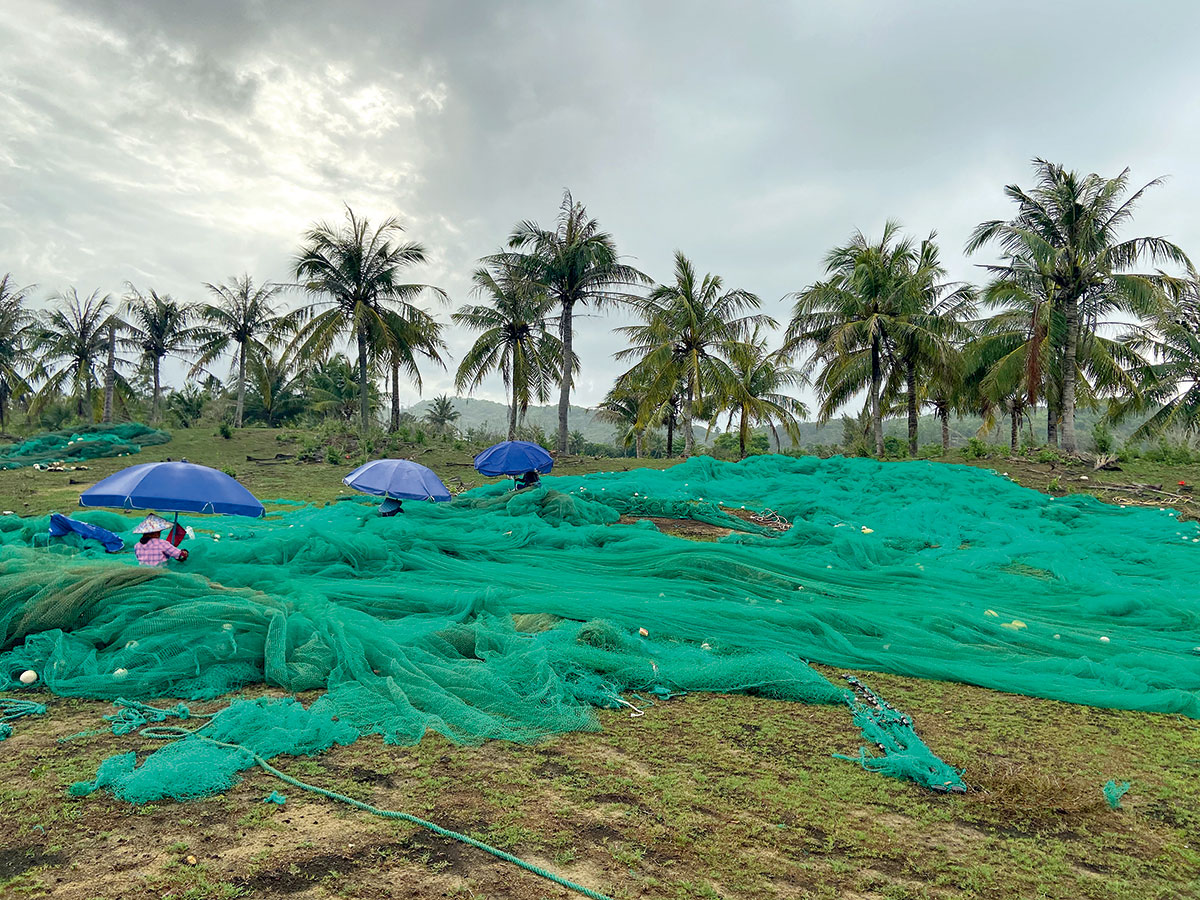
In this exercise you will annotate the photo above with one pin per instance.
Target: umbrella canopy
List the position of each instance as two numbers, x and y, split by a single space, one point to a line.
513 458
401 479
173 487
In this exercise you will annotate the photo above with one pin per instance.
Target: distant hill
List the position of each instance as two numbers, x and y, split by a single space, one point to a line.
494 416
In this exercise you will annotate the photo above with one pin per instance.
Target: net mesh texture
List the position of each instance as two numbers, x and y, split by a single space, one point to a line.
512 616
92 442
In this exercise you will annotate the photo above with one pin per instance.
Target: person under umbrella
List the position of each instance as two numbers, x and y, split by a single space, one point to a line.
529 479
523 461
396 480
151 549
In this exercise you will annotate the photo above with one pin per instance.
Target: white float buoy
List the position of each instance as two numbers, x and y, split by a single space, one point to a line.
29 676
120 673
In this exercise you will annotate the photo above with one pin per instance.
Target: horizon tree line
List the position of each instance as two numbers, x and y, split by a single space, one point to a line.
1066 319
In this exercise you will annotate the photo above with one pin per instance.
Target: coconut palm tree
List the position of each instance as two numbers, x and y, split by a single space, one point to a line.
333 389
404 335
158 326
1015 360
1168 378
1015 349
1067 225
755 393
943 392
514 339
577 265
632 406
276 391
624 408
926 334
72 337
691 330
18 343
115 327
853 321
441 414
353 272
245 318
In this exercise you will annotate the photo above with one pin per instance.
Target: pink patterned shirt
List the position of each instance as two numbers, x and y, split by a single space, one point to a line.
155 552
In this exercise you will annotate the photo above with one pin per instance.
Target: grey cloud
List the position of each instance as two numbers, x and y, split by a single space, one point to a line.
752 136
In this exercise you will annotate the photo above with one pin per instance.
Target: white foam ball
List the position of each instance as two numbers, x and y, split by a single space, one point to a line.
120 673
1104 639
29 676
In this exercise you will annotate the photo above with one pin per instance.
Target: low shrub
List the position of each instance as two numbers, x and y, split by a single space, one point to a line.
976 449
895 447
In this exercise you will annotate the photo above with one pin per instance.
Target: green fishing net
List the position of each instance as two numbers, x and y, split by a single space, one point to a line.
91 442
513 615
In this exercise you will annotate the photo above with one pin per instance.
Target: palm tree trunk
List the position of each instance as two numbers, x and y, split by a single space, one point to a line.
689 439
395 424
671 432
564 395
1016 428
364 406
876 416
1051 420
156 411
911 375
742 436
241 401
88 396
512 416
1068 377
639 442
944 415
110 374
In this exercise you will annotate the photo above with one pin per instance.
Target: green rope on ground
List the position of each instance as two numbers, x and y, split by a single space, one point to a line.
11 710
168 732
431 826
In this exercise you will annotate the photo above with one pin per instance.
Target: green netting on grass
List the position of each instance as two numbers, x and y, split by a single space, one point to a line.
90 442
503 615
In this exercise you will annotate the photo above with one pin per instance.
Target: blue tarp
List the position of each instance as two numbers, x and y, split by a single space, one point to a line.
60 525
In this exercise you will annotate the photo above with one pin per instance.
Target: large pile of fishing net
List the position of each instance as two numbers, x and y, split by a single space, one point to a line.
89 442
512 615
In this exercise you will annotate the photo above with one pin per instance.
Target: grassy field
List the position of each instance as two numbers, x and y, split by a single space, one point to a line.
703 796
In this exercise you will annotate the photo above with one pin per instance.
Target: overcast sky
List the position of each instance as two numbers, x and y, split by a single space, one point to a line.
169 144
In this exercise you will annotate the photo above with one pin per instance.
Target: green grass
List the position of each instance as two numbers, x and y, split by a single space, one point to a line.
704 796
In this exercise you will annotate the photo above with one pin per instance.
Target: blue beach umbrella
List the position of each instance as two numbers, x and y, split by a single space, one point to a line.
513 458
400 479
173 487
